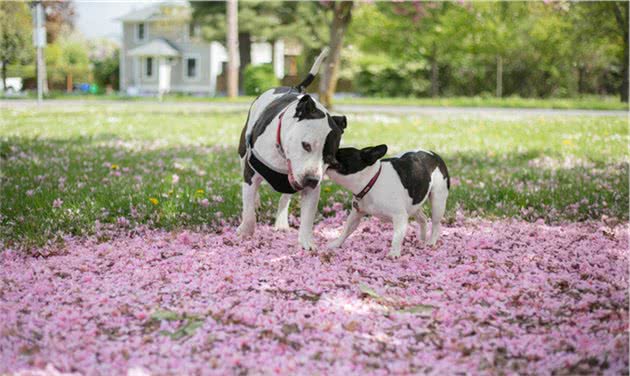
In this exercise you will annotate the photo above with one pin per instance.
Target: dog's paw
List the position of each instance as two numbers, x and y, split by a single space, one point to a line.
245 231
393 254
307 245
281 226
333 244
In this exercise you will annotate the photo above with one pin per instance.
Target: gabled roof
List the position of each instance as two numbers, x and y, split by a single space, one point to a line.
156 47
172 10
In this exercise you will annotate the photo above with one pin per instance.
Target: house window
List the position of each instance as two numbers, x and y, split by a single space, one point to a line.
148 70
191 67
140 31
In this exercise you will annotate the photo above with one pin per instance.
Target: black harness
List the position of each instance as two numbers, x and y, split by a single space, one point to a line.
279 180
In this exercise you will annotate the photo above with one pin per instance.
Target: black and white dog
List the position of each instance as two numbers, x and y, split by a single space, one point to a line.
289 140
392 189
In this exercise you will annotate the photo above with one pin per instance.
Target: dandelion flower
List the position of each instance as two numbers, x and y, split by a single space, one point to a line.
153 200
114 166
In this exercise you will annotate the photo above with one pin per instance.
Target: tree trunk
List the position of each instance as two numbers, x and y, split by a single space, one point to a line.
341 19
69 83
621 15
499 76
581 81
232 45
435 73
4 76
245 53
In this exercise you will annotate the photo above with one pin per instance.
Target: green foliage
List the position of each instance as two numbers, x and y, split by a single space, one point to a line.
15 33
258 78
402 80
67 56
559 49
106 71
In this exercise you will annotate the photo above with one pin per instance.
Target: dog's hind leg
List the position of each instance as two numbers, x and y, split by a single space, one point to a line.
438 198
422 221
248 221
282 215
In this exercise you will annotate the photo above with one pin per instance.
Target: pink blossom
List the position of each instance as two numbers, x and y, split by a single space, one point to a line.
175 179
57 203
494 297
204 202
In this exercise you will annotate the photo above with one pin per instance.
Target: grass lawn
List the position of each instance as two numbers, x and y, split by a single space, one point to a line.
70 171
592 102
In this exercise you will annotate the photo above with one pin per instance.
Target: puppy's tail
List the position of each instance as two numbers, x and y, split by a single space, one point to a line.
314 69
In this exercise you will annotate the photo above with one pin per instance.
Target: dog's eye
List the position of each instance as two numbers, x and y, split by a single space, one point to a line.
306 146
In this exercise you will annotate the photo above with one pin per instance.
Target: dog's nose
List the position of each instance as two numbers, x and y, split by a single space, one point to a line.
310 181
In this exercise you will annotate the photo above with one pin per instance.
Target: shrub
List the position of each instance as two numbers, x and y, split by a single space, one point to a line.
258 78
398 81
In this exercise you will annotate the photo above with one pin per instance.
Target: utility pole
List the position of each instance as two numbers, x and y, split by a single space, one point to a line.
39 40
232 44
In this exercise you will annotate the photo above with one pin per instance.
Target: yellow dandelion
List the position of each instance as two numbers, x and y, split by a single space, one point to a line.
153 200
114 166
327 189
199 191
567 142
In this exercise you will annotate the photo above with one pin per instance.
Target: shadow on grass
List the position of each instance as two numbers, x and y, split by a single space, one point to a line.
55 187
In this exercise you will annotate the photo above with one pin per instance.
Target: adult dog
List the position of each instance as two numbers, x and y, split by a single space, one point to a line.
288 140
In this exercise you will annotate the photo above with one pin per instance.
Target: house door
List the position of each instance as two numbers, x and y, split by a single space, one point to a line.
164 76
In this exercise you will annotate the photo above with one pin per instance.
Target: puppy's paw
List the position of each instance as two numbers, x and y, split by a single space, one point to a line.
393 254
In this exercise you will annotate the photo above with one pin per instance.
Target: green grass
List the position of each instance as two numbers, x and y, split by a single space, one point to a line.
107 163
586 102
591 102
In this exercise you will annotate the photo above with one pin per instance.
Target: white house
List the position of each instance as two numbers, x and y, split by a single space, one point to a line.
162 51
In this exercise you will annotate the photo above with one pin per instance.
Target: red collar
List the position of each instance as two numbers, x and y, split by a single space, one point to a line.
370 184
290 176
278 138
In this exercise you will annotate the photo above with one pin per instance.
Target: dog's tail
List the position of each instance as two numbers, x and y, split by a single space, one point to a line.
314 69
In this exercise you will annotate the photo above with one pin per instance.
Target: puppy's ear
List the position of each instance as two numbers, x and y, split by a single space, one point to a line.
305 106
373 153
341 121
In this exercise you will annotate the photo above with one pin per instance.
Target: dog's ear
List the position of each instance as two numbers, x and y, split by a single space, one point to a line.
373 153
341 121
305 106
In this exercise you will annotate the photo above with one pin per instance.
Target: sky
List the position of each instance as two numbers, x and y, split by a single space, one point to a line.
97 19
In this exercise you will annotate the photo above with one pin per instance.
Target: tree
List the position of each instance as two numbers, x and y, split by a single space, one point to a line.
67 60
59 18
620 10
263 20
341 16
15 35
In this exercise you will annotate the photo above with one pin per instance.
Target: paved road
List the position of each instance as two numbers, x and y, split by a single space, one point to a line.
77 105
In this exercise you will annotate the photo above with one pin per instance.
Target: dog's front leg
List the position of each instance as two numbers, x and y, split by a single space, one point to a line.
310 198
248 221
400 230
351 224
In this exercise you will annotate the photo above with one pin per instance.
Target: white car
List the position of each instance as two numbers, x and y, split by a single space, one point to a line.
14 85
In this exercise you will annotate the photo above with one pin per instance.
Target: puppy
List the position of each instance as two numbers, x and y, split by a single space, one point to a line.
392 189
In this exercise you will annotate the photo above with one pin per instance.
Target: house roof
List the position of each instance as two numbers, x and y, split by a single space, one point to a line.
171 10
156 47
